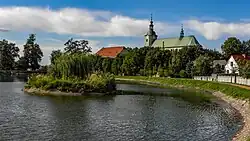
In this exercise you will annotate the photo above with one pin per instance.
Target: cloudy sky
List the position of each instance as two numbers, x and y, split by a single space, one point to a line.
124 22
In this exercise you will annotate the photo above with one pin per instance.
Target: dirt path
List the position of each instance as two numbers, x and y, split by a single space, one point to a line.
242 86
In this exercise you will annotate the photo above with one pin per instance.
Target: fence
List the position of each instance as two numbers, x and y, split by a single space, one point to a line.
228 79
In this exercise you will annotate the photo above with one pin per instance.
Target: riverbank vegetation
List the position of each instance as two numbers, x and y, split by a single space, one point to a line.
227 89
73 71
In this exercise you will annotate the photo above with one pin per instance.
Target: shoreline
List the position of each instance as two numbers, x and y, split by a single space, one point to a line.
241 106
34 91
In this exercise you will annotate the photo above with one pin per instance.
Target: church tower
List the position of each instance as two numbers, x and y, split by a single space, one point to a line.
150 36
182 32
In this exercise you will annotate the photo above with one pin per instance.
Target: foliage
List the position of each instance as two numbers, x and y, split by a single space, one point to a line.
95 83
230 90
75 65
244 68
8 53
21 64
218 69
55 54
182 74
232 46
203 65
77 46
32 53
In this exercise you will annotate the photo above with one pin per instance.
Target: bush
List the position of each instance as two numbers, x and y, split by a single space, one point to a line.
95 83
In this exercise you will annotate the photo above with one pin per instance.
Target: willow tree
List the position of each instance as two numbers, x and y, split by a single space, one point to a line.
73 65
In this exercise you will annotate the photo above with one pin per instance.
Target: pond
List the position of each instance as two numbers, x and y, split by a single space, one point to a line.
110 118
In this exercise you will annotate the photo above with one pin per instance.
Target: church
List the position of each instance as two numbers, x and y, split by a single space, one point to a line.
173 43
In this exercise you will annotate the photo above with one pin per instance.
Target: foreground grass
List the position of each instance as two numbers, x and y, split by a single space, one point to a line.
227 89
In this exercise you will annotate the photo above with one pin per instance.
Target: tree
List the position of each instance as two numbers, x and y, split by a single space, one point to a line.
77 46
246 47
203 65
244 68
32 53
232 46
218 69
21 64
189 69
114 67
129 65
106 65
8 54
55 54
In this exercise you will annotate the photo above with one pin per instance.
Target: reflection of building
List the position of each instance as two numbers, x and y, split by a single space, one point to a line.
232 64
150 40
111 52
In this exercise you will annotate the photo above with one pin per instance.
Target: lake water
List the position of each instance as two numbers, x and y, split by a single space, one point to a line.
110 118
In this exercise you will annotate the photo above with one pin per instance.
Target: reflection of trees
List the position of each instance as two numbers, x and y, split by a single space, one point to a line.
5 78
78 118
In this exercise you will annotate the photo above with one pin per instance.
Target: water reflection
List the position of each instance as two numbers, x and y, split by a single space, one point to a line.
123 117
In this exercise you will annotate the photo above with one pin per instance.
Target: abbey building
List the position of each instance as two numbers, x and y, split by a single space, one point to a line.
173 43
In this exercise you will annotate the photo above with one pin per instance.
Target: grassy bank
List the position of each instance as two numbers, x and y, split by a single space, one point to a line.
192 95
227 89
95 83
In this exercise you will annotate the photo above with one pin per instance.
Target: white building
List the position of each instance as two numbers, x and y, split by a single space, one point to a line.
232 64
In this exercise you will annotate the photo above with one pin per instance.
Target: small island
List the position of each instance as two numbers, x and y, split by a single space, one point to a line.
71 75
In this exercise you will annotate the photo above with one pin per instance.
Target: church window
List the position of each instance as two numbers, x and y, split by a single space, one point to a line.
146 40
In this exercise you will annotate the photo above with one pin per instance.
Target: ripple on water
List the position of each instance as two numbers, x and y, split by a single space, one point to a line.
133 117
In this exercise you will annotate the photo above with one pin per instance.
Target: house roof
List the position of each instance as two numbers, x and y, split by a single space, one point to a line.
240 57
111 52
176 42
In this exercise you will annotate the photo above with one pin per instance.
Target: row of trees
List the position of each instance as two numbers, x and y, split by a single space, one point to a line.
10 58
137 61
147 61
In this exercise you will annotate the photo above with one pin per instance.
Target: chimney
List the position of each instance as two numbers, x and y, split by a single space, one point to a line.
244 55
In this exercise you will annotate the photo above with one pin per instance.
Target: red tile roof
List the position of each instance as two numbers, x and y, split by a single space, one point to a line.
241 57
111 52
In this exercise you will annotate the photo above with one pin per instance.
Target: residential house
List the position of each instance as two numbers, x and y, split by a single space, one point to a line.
111 52
232 65
173 43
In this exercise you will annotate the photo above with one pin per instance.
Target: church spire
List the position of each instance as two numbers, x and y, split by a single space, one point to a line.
151 26
182 31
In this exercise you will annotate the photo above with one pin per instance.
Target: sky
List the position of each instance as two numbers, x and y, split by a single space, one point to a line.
111 22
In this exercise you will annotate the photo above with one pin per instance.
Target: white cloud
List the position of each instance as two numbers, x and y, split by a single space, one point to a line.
215 30
75 21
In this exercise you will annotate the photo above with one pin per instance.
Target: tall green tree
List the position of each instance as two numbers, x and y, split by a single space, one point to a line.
8 53
55 54
21 64
77 46
32 53
232 46
129 65
244 68
203 65
246 47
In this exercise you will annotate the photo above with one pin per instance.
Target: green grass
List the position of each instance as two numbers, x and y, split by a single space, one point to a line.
227 89
94 83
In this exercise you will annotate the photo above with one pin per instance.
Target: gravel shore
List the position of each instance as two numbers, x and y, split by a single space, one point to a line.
243 107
